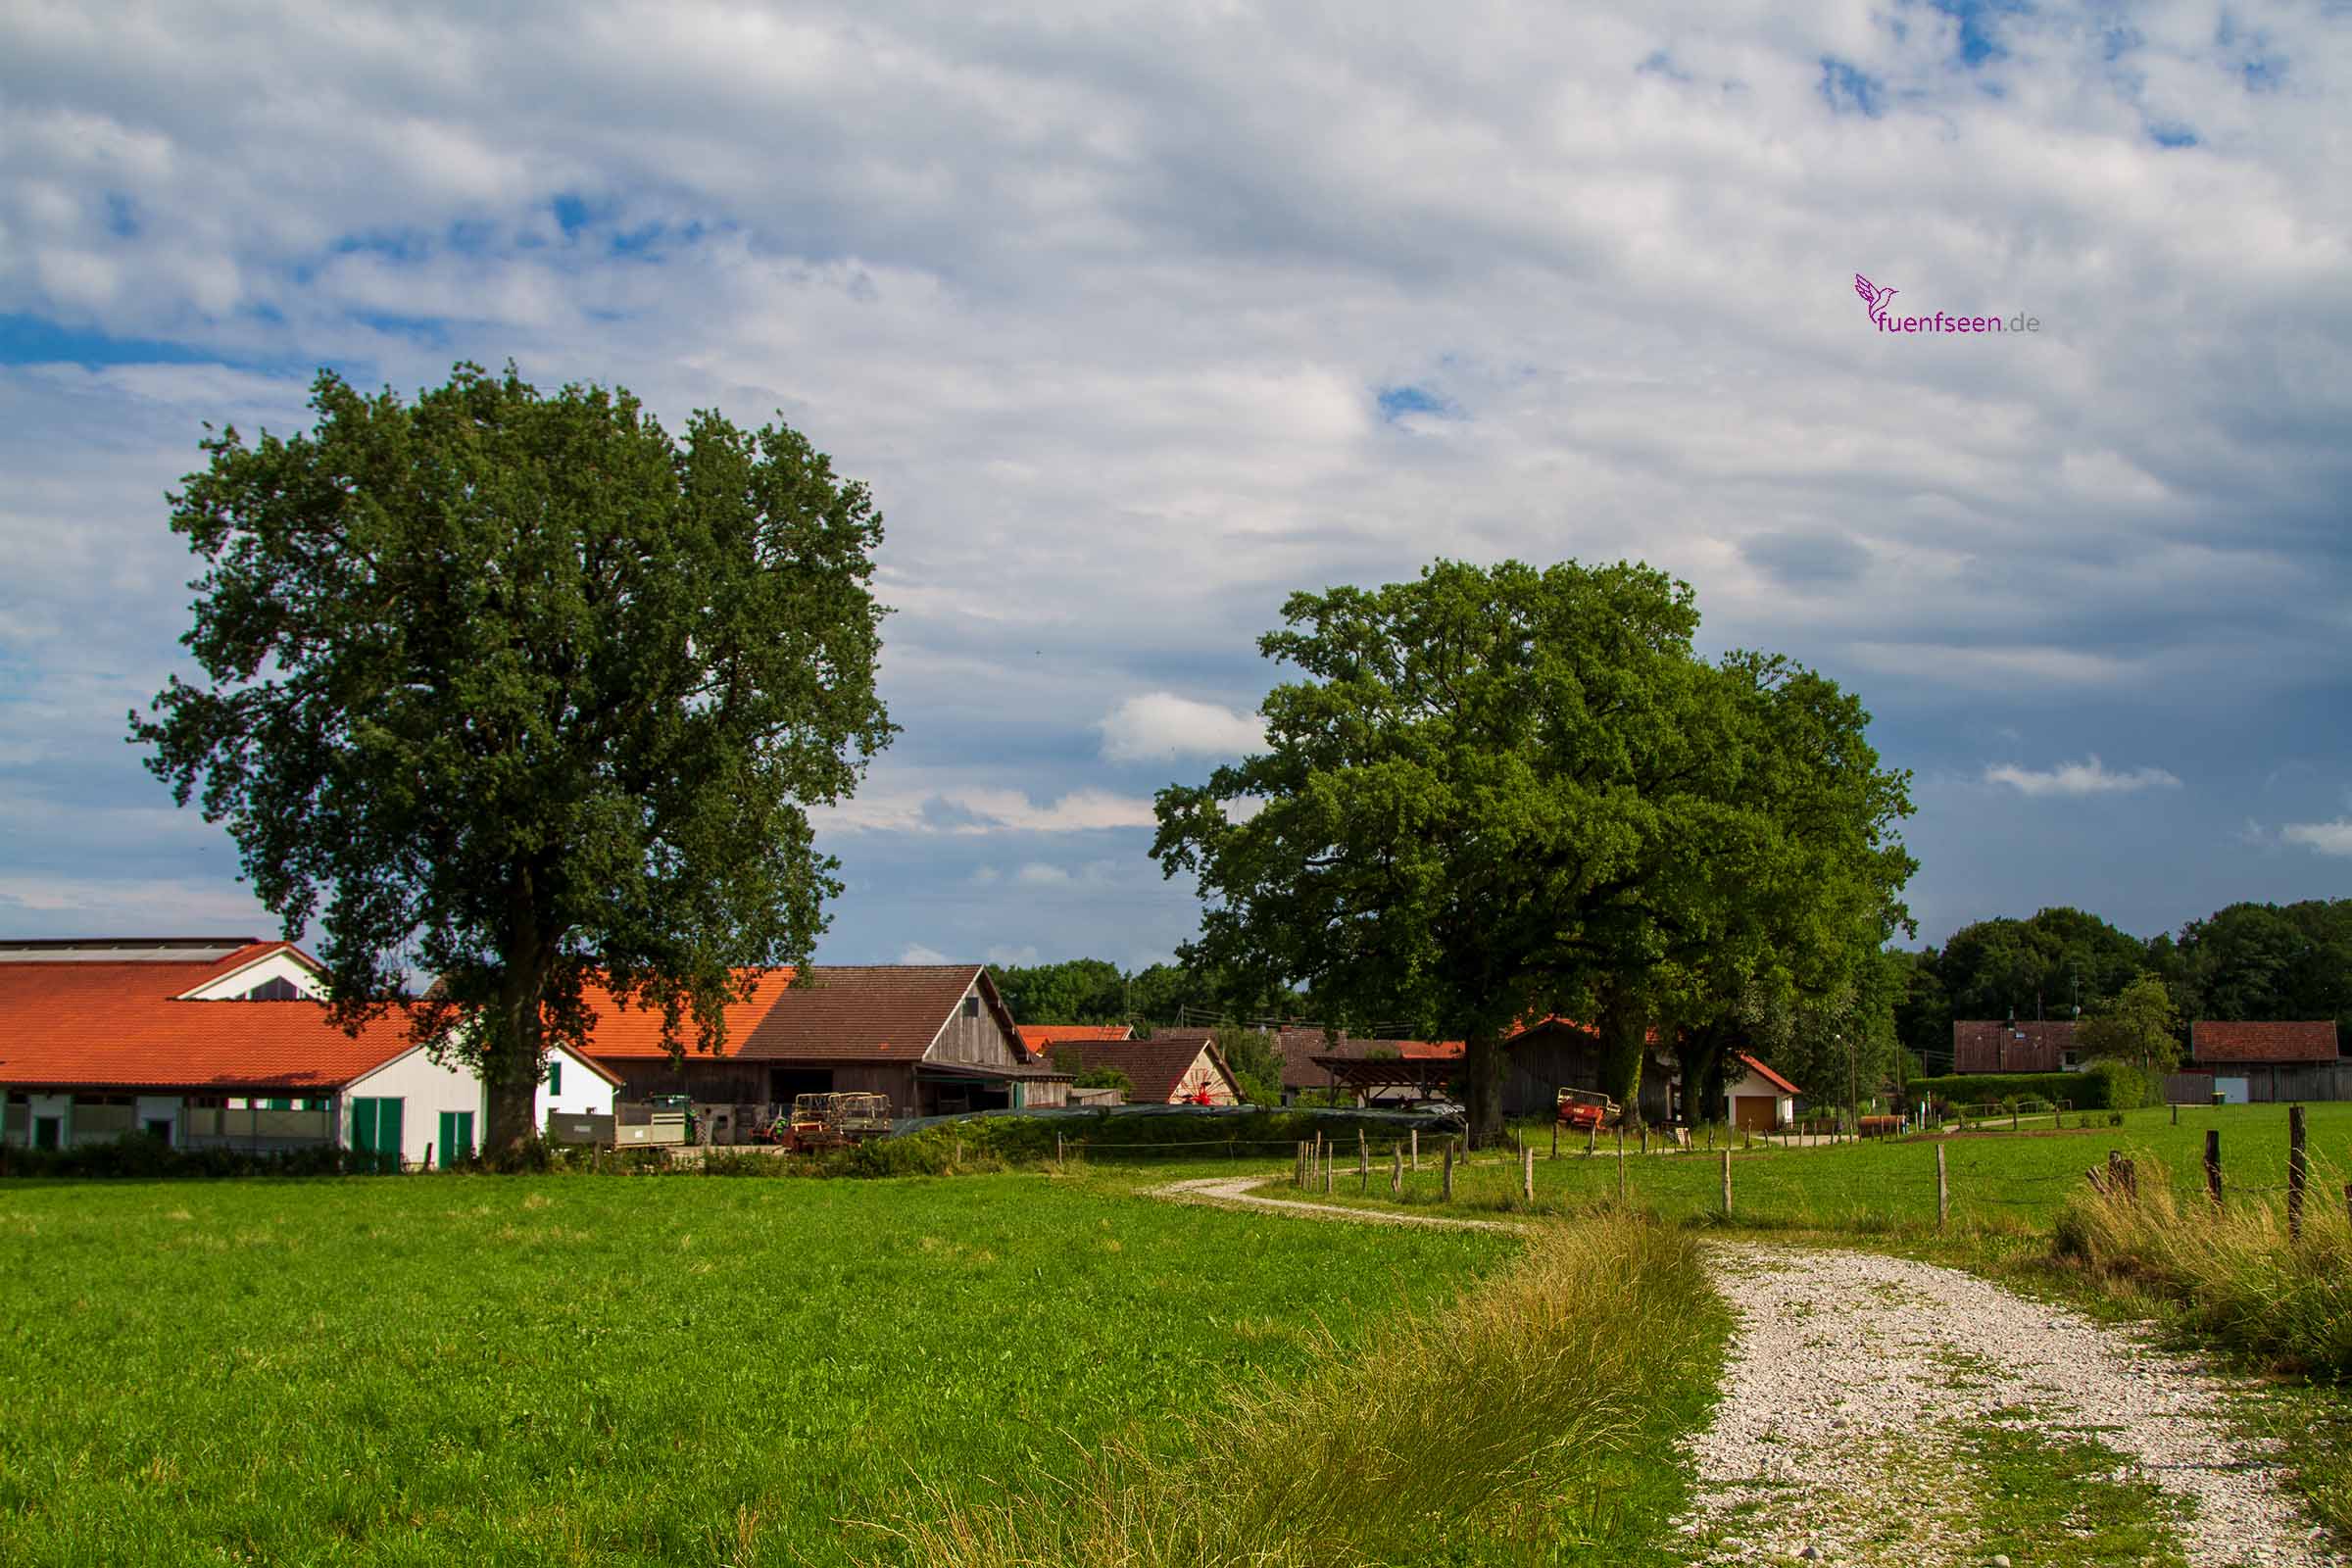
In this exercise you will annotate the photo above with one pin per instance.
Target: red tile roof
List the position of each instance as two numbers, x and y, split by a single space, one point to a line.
1041 1036
2215 1041
1155 1067
866 1012
1299 1047
1769 1076
94 1024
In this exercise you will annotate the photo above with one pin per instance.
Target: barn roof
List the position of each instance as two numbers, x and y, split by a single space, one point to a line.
2212 1041
838 1012
1769 1076
1154 1067
93 1023
1041 1038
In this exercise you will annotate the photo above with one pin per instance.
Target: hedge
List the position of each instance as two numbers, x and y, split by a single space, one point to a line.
2106 1086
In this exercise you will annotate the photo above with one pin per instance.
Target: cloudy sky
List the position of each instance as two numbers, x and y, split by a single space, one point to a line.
1137 318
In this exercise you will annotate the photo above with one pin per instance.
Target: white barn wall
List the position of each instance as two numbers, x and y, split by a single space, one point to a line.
586 1092
424 1091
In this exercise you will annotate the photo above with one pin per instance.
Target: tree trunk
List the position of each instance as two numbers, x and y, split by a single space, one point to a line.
1624 1031
514 1047
1481 1086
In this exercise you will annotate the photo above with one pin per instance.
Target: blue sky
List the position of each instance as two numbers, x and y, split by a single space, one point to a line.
1138 319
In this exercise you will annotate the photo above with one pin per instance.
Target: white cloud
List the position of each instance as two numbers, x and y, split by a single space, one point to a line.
1164 725
2090 776
916 952
986 811
2327 838
1005 957
1038 874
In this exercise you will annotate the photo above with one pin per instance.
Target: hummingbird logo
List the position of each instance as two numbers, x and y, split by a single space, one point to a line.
1873 296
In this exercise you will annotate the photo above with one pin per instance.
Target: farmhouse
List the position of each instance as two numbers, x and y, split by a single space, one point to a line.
2267 1061
1757 1097
1984 1045
1174 1067
221 1043
930 1039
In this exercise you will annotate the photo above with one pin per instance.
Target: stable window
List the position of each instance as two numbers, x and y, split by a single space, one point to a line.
971 1007
555 1078
159 1127
48 1132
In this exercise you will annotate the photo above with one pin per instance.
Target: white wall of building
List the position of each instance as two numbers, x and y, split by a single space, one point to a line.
425 1090
581 1091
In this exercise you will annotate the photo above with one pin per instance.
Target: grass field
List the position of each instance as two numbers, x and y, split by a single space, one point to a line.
1997 1180
592 1369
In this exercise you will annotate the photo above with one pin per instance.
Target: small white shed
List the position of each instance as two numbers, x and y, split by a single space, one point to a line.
1756 1097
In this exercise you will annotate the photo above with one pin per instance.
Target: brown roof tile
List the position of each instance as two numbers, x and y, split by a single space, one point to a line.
845 1012
2211 1041
1156 1066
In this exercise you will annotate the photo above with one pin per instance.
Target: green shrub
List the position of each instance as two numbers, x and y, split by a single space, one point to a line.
2083 1091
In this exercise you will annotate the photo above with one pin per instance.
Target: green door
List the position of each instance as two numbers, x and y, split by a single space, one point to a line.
48 1131
376 1134
457 1138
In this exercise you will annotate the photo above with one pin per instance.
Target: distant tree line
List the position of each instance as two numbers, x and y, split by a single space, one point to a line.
2254 962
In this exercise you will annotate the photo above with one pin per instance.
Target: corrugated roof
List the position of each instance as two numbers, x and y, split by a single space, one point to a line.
845 1012
2214 1041
78 1023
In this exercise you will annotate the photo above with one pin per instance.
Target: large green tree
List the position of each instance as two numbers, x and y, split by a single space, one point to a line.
2139 1026
525 692
1502 794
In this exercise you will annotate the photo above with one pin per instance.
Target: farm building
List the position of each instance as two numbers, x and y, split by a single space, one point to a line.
1757 1097
1557 1053
2268 1062
928 1038
220 1042
1988 1044
1315 1063
1174 1067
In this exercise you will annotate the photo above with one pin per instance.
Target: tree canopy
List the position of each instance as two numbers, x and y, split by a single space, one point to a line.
2139 1026
1501 793
528 693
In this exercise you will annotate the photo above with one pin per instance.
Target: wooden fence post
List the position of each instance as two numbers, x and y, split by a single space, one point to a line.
1327 1172
1396 1171
1621 1164
1363 1156
1590 1132
1943 1192
2176 1113
1446 1195
2212 1164
1727 1183
2297 1168
1555 1137
1646 1138
1415 1136
1057 1150
1527 1174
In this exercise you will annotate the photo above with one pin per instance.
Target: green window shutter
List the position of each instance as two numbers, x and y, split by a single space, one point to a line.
555 1078
363 1126
388 1134
465 1143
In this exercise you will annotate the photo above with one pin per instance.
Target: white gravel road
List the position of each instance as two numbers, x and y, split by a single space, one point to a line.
1853 1376
1235 1192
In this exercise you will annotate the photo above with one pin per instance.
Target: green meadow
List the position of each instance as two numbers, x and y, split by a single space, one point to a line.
1997 1180
678 1370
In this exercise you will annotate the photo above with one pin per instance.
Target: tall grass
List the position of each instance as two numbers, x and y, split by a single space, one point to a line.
2232 1275
1527 1415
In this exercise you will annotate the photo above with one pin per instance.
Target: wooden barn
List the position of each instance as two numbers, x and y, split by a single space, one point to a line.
1557 1053
928 1038
1174 1067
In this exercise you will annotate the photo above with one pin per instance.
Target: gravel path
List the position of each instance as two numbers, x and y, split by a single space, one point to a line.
1235 1192
1853 1379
